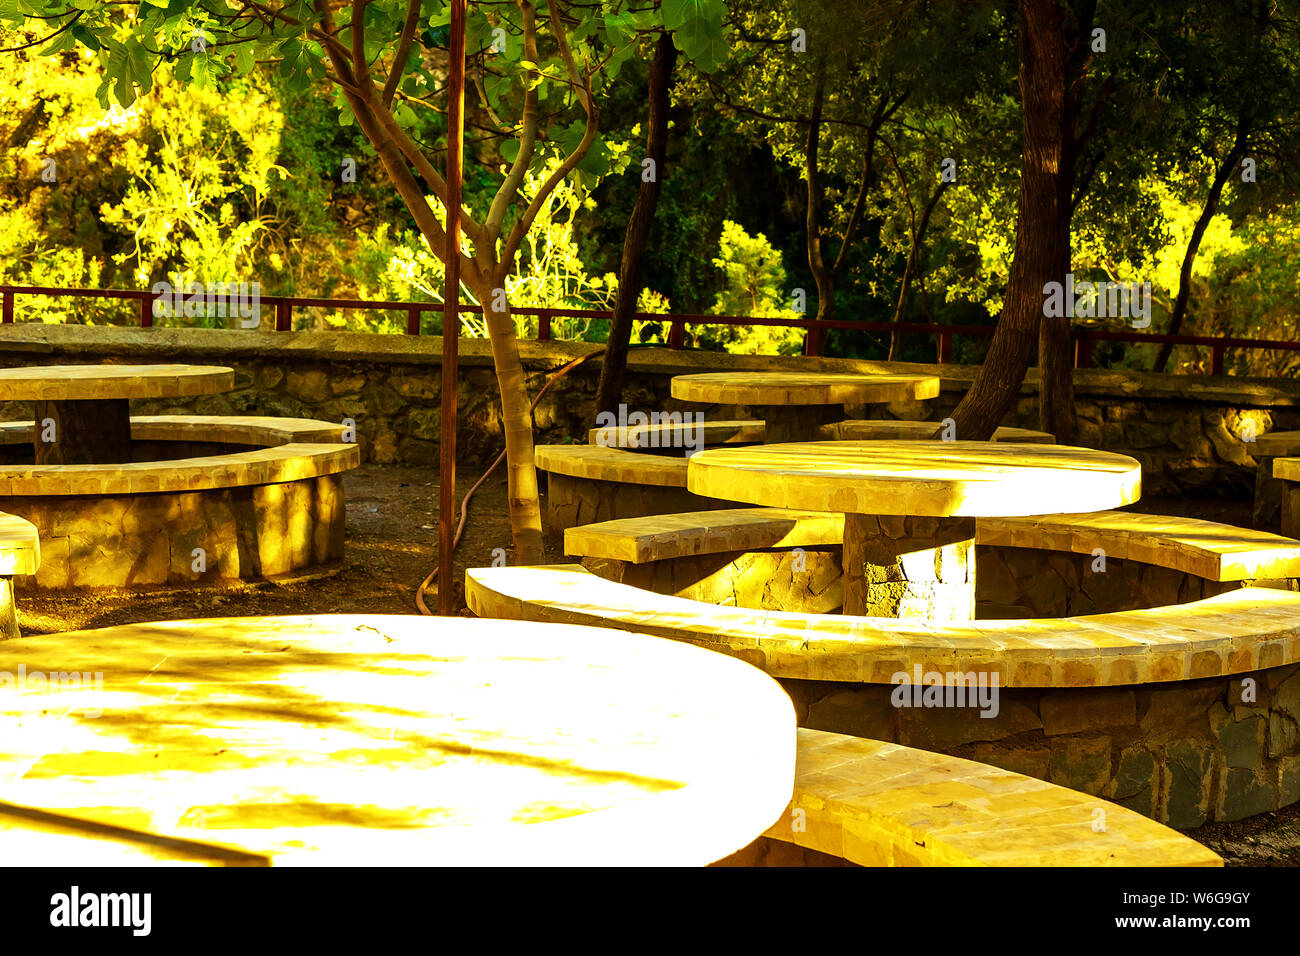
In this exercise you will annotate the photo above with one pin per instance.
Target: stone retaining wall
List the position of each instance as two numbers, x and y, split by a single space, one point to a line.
1185 431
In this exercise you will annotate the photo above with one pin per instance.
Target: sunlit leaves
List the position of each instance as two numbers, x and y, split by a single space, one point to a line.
698 31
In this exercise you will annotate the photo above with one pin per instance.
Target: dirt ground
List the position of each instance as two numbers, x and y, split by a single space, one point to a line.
392 544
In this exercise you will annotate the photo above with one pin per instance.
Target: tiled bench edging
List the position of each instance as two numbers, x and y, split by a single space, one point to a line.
1184 714
871 803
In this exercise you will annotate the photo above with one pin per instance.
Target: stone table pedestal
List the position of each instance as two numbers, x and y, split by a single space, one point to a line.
909 567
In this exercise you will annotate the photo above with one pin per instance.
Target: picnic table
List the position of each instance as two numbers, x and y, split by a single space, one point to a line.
795 404
351 739
83 412
910 506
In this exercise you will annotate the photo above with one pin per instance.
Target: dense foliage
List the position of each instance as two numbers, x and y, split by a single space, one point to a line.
118 172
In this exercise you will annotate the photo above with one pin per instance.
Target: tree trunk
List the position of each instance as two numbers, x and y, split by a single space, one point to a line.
517 423
1194 245
610 390
1042 219
913 268
822 273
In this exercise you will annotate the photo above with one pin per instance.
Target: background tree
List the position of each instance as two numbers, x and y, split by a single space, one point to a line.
540 73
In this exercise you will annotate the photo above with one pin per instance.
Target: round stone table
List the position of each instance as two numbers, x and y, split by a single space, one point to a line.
389 740
795 404
83 412
910 506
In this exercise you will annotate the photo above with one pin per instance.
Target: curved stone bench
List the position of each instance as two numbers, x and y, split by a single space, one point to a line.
864 430
20 554
1270 491
219 429
744 556
1287 472
881 804
263 512
588 483
1183 713
674 434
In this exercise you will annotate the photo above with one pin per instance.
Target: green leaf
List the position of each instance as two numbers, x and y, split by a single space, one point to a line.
139 64
678 13
124 91
509 150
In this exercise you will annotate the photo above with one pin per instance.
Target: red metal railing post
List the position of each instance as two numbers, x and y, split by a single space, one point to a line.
677 334
9 307
945 348
544 327
146 312
1216 359
283 316
451 313
412 321
1083 350
812 345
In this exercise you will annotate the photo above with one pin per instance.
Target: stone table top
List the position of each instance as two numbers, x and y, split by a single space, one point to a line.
351 739
62 383
801 388
918 478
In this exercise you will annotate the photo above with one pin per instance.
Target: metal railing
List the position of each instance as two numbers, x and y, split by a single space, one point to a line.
1084 338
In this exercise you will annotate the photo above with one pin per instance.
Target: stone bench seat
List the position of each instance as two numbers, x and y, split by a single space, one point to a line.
266 431
602 463
263 466
669 435
1206 549
1270 505
1277 444
1287 471
1239 631
881 804
204 508
865 430
20 554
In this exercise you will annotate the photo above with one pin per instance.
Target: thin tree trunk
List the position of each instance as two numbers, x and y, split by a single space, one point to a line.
1230 163
1040 254
913 268
517 423
822 274
610 390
